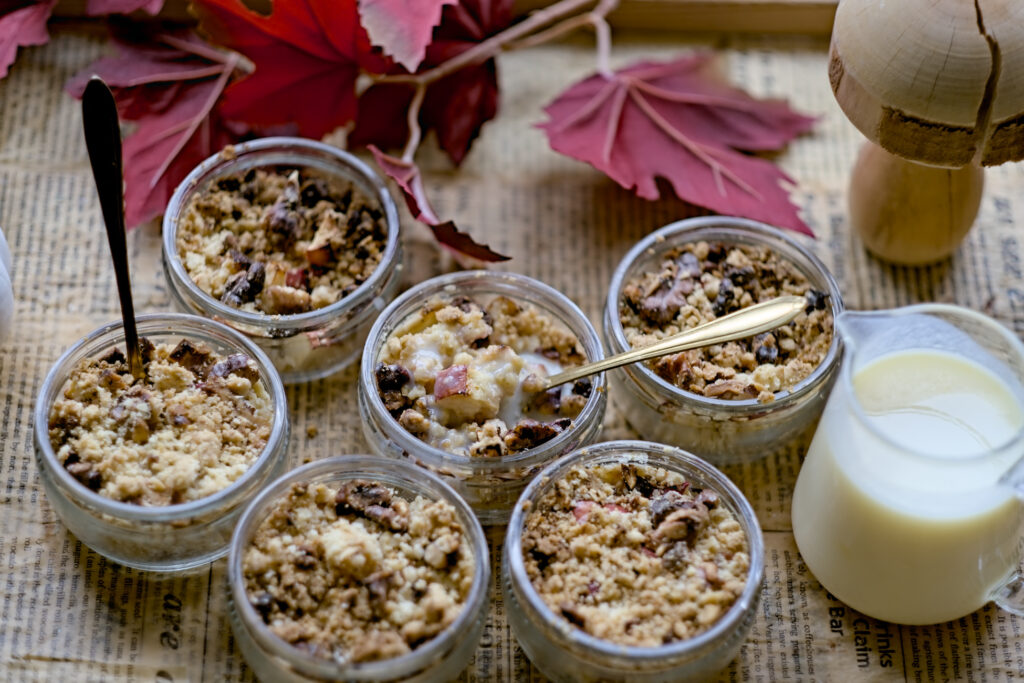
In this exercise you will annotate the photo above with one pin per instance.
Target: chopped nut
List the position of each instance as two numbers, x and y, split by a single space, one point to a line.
297 278
245 286
529 434
196 359
284 300
372 501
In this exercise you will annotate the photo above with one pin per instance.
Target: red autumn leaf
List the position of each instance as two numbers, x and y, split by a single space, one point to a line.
407 176
169 84
22 24
456 106
307 55
676 121
102 7
402 28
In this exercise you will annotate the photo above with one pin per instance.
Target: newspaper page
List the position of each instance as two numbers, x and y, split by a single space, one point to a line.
68 614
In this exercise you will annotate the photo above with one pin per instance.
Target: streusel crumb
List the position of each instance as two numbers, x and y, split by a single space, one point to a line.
356 572
280 241
634 554
190 427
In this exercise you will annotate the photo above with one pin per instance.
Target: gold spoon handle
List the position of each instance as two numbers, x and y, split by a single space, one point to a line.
103 140
746 322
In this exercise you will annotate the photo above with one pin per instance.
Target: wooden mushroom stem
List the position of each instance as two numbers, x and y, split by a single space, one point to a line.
909 213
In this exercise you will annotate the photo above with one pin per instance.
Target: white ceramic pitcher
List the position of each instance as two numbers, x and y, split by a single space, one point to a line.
909 503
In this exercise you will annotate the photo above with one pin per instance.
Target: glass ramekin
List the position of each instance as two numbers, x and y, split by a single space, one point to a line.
565 653
723 431
304 346
171 537
440 659
490 485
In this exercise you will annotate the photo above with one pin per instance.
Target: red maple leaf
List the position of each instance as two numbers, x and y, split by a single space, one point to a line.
21 24
676 121
402 28
307 54
101 7
169 84
455 107
407 175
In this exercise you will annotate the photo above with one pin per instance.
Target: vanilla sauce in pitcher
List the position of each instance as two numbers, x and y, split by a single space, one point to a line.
900 537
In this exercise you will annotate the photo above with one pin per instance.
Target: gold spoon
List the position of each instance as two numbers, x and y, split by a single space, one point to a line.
746 322
103 139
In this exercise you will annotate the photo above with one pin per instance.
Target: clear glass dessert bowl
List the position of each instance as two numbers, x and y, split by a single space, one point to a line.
724 430
305 345
440 658
157 537
489 483
560 643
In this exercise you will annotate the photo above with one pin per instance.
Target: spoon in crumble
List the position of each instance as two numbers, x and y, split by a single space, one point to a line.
745 322
103 140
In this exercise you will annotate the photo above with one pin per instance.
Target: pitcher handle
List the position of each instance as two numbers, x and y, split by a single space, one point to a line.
1010 595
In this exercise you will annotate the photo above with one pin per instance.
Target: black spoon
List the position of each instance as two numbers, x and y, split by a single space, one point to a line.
103 139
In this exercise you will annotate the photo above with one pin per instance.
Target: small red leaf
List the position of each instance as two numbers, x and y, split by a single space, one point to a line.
382 119
402 28
307 55
101 7
23 24
409 180
675 121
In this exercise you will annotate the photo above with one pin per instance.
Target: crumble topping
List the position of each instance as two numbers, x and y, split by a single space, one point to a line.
357 573
280 241
699 282
192 426
466 377
634 554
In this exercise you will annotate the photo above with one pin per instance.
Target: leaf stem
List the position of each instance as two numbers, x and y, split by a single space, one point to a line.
413 119
483 51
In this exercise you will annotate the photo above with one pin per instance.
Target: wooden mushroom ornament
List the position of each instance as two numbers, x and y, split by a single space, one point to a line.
937 87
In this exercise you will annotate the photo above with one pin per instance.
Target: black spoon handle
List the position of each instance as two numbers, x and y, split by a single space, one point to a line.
103 139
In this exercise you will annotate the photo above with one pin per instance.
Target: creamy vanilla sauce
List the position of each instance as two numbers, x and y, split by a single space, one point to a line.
894 535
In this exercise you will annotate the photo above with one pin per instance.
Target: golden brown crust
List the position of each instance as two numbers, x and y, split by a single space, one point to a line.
191 427
357 573
280 241
634 555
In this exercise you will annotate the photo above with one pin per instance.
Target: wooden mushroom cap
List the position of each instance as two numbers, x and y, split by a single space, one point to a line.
940 82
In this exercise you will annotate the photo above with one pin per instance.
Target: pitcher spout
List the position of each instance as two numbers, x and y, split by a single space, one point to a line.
857 328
